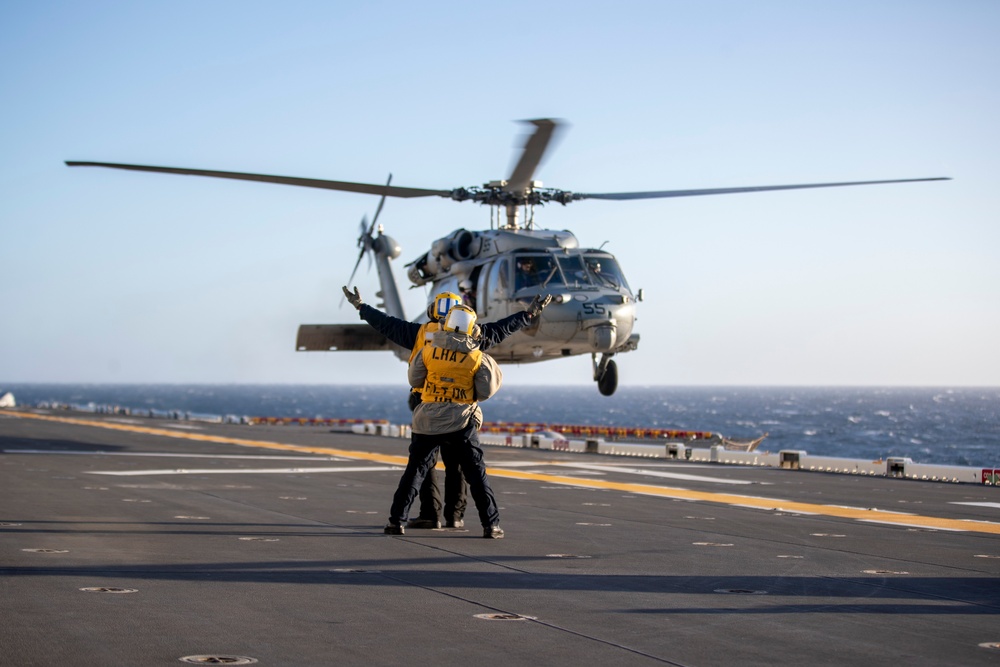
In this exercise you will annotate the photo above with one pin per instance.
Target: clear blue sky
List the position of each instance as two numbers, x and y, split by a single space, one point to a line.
111 276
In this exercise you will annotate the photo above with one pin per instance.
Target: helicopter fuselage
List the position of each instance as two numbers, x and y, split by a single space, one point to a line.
499 272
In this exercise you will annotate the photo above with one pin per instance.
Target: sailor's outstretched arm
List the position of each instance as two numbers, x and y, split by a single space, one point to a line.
493 333
397 330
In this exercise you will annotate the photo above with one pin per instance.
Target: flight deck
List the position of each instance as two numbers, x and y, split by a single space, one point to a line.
134 541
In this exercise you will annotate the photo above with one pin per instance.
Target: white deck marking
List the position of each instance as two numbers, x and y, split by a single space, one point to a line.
996 505
177 455
911 525
238 471
650 473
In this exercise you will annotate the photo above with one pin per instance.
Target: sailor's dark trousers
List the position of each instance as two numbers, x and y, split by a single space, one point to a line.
454 491
461 445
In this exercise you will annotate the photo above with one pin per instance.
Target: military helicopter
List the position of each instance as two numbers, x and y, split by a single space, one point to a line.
500 270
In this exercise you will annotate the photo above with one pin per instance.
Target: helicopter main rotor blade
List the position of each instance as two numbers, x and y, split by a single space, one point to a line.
364 188
531 157
726 191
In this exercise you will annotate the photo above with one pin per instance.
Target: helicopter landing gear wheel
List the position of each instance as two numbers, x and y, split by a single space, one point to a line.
609 381
605 374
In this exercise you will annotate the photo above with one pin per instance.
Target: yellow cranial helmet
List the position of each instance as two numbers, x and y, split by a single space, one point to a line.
442 303
461 319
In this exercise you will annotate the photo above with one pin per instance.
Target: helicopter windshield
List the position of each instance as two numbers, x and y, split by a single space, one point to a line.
571 270
599 270
605 272
534 270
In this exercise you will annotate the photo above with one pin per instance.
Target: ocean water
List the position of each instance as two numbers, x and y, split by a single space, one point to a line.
954 426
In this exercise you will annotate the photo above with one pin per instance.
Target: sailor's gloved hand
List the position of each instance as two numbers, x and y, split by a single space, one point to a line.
354 298
538 303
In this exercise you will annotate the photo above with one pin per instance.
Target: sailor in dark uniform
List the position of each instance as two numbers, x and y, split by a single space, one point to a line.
453 375
414 336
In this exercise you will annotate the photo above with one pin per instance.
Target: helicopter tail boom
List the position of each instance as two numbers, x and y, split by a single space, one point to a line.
341 337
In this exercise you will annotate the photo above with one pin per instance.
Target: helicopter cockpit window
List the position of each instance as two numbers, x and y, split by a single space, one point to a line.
534 270
604 271
573 271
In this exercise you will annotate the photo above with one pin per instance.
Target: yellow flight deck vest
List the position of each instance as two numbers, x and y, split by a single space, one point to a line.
451 375
424 337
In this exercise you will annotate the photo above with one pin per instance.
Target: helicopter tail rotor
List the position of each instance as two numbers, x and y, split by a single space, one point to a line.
365 238
364 242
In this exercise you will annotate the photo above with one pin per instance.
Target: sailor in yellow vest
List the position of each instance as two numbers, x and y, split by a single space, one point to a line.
415 336
453 375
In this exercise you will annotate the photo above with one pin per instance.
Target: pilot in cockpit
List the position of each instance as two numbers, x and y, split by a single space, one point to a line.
594 267
527 273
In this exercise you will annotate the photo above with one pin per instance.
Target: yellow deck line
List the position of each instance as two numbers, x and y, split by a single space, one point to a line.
859 514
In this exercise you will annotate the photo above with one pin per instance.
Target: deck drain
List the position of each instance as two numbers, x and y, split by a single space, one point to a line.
185 516
787 556
993 645
826 535
504 617
354 570
565 556
259 539
47 551
5 524
711 544
218 660
884 572
109 589
592 524
739 591
976 556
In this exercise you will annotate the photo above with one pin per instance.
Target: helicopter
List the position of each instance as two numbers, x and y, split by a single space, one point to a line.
499 271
